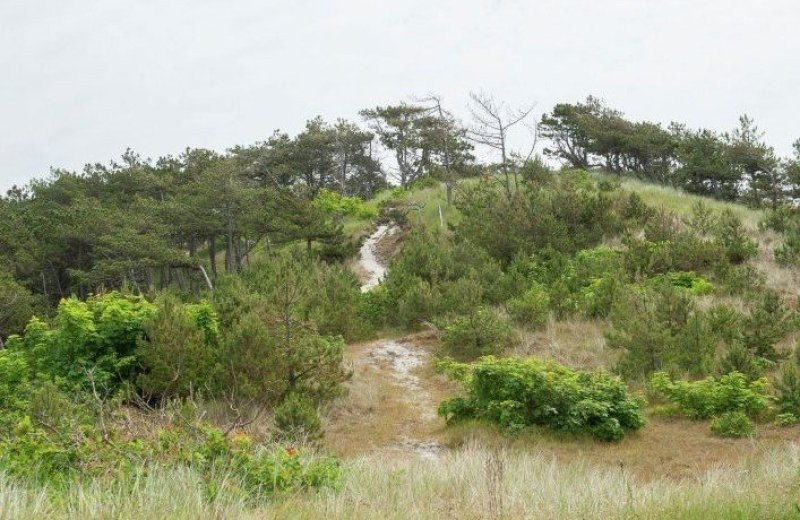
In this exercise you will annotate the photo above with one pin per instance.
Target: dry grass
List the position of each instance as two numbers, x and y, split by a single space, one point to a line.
381 412
471 483
576 342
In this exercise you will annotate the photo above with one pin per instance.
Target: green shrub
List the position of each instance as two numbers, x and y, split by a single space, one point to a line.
712 397
733 424
730 234
532 308
519 392
766 324
565 213
695 284
334 203
177 352
660 328
296 418
779 219
434 276
739 358
787 389
91 343
786 419
480 333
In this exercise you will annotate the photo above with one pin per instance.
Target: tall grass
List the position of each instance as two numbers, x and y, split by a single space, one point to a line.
470 483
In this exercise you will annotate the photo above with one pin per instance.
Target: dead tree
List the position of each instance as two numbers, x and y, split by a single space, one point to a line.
492 122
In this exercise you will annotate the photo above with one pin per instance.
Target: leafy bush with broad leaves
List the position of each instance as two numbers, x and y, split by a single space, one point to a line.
733 424
712 396
516 393
91 343
690 281
334 203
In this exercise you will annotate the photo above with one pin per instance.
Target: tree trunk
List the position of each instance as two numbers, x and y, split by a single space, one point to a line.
212 255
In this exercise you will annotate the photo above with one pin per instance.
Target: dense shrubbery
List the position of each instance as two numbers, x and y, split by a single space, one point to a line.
730 400
660 329
436 276
565 213
334 203
91 344
516 393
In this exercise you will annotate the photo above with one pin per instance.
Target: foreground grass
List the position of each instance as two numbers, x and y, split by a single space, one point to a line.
470 483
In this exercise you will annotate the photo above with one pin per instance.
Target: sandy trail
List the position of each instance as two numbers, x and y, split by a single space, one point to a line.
368 259
410 414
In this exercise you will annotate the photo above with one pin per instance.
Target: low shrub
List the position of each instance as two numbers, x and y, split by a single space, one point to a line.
480 333
519 392
532 308
296 418
733 424
712 396
731 235
334 203
692 282
787 389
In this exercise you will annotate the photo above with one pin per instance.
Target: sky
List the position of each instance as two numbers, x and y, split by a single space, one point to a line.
82 80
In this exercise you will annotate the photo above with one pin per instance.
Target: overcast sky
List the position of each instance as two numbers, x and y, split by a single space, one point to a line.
80 81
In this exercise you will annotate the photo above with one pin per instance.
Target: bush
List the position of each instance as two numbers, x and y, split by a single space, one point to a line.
178 351
480 333
660 328
712 397
739 358
91 344
334 203
519 392
531 308
566 213
766 324
695 284
730 234
787 389
435 276
733 424
296 418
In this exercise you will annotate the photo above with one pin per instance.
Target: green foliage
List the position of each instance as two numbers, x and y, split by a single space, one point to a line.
434 276
91 344
695 284
178 352
532 308
296 418
787 389
566 214
739 358
733 424
519 392
479 333
766 324
788 252
713 397
730 234
660 328
334 203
